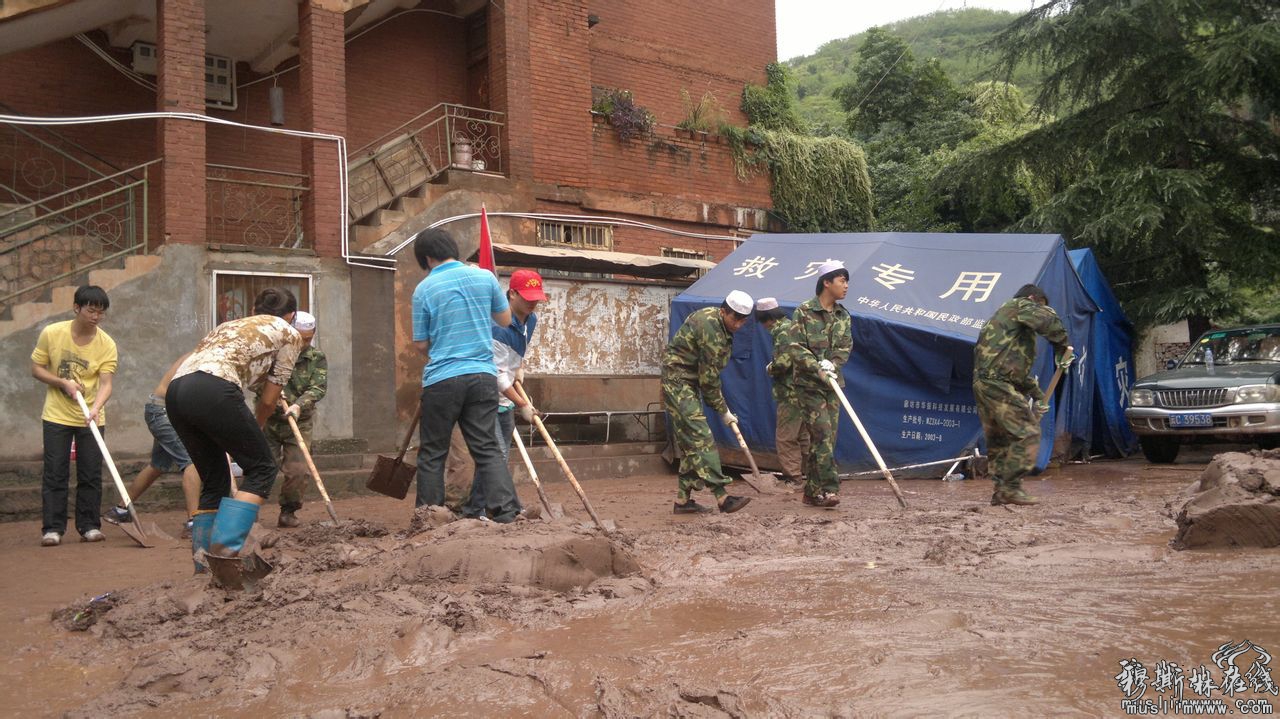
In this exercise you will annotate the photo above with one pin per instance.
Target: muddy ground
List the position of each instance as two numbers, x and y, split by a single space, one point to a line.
950 608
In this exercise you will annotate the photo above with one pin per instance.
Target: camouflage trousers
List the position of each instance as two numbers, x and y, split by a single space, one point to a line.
819 413
284 447
791 437
1011 429
700 462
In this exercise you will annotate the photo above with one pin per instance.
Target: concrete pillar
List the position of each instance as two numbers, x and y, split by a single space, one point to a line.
322 55
180 88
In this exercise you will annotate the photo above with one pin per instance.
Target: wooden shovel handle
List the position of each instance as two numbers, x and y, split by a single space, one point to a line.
408 436
742 442
564 466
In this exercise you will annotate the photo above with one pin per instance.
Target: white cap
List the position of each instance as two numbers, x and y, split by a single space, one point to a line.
304 321
766 303
830 266
739 302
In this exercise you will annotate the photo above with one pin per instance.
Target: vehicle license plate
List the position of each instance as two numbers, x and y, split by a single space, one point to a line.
1191 420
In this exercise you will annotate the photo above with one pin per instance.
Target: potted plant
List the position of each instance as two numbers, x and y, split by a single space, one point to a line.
628 118
701 118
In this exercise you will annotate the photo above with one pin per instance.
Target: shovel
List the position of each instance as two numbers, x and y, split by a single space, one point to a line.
755 471
306 454
533 474
134 529
867 438
238 573
564 466
392 477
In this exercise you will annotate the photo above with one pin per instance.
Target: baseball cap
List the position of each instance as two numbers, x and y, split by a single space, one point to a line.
304 321
528 284
739 302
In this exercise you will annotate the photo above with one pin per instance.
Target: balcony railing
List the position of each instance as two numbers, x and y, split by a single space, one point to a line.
254 207
444 137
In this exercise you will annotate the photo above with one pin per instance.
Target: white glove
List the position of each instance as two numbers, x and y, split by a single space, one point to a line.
728 417
520 375
828 368
293 410
527 413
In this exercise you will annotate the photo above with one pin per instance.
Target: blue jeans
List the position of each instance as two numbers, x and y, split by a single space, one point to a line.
56 480
504 426
471 402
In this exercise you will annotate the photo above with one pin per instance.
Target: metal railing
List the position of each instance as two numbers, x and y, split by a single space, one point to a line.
446 136
32 166
68 233
254 207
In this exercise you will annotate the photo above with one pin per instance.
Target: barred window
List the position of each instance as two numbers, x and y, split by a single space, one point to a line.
569 234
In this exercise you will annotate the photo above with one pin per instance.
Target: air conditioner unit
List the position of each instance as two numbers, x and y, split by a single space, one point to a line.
219 75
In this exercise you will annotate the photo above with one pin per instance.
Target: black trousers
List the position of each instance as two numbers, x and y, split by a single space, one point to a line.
56 479
471 402
212 420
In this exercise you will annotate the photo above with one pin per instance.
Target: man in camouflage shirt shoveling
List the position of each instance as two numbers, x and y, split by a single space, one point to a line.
1002 381
691 368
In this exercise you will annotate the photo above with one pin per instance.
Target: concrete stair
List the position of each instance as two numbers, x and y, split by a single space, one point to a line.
28 314
344 465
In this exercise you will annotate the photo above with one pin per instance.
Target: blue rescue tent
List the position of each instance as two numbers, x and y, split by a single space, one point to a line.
1110 361
918 301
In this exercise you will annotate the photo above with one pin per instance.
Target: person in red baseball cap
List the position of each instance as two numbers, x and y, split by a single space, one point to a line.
510 345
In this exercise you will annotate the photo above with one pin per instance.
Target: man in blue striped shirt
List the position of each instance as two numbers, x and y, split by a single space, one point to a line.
453 308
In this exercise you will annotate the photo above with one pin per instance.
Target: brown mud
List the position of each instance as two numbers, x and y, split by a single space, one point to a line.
1236 503
951 607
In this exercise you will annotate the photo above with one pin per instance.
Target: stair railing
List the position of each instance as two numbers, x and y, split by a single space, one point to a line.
448 136
91 225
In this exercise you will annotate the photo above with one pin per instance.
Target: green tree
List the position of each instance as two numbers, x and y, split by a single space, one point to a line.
891 86
1163 155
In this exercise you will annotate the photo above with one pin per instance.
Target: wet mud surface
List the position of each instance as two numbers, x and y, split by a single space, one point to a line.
951 607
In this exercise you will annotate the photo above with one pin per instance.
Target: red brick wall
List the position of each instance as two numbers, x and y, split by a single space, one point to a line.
509 83
559 44
180 88
402 68
659 47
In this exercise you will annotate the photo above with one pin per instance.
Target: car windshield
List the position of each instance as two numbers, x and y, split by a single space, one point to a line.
1230 346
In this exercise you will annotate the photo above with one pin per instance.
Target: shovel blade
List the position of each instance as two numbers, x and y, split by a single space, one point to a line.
134 532
238 573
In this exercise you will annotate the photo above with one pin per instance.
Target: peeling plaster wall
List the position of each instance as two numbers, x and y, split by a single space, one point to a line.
601 328
157 317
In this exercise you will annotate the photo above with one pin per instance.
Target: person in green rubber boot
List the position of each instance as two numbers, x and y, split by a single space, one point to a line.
206 404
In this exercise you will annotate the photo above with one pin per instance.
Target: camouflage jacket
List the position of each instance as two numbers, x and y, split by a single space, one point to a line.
698 353
780 367
815 334
1006 347
308 384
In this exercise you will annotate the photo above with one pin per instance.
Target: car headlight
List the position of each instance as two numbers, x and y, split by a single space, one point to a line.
1142 398
1254 393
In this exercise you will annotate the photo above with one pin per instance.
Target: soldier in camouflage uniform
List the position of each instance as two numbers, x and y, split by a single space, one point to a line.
790 438
307 386
691 370
816 344
1002 381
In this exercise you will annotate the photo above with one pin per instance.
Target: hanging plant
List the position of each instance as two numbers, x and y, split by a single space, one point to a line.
629 120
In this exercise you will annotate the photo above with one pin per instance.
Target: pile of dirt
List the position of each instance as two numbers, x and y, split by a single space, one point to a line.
400 600
1236 502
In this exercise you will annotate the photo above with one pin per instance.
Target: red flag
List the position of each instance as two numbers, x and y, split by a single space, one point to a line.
486 244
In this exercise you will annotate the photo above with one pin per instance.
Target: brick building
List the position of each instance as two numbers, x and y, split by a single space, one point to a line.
443 104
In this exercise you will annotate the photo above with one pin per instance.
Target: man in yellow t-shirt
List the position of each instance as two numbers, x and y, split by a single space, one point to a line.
74 356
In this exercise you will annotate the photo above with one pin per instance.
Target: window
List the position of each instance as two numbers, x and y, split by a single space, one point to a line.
686 255
568 234
233 292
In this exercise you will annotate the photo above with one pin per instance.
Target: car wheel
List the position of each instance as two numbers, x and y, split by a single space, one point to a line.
1159 450
1269 441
